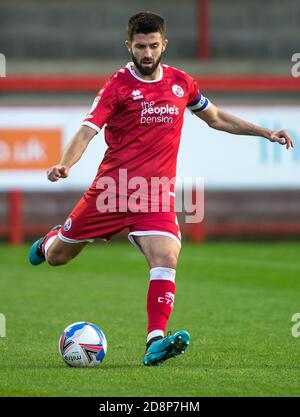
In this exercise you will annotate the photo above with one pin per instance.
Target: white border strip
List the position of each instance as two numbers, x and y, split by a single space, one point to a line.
162 273
150 233
67 240
90 124
130 68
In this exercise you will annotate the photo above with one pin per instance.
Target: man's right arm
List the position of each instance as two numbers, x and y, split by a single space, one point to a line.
72 153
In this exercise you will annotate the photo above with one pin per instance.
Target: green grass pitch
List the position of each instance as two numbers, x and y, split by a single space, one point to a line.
236 300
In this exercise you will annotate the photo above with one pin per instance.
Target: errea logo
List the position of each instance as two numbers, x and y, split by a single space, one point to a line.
137 95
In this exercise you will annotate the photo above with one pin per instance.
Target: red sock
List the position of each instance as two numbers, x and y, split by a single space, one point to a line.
160 299
49 235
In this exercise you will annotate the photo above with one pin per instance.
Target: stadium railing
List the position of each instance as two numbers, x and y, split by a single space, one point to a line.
82 84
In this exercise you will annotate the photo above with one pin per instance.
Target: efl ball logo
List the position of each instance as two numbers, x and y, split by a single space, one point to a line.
178 91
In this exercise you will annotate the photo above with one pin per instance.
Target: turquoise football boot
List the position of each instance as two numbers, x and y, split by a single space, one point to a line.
36 255
166 348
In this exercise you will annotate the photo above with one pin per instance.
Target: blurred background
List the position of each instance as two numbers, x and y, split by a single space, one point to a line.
243 54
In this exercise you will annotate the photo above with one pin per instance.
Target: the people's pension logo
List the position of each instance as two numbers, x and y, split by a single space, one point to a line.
157 114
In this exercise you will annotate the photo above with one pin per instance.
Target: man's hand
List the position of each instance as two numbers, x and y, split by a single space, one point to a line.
282 137
72 153
56 172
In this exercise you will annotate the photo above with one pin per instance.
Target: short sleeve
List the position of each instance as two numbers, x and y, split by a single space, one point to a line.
104 106
197 102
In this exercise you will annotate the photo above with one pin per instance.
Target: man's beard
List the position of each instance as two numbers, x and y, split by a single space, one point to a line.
146 70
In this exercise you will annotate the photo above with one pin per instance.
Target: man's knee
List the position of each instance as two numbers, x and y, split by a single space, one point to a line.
55 258
167 259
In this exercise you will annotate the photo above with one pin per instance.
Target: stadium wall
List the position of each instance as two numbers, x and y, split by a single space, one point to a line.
227 214
234 28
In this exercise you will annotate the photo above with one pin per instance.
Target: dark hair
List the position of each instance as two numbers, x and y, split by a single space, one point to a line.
146 22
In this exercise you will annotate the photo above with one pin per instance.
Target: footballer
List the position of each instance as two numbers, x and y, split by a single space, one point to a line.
141 108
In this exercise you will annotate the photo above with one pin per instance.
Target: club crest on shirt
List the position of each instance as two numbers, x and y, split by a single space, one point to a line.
68 224
177 90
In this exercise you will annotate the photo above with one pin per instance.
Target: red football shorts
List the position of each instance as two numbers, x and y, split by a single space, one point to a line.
85 223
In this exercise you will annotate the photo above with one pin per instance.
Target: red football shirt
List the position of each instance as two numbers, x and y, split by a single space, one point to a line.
143 122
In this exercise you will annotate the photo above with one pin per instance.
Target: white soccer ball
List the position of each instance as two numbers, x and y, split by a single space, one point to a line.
82 344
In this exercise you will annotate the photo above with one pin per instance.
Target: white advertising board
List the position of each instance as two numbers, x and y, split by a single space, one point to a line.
224 161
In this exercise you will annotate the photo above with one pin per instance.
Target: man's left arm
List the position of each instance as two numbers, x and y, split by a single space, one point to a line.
221 120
